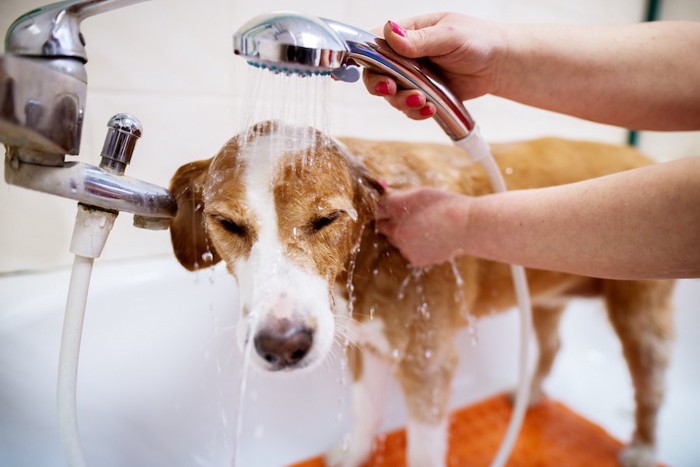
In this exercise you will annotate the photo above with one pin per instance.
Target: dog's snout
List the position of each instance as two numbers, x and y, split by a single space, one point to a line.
284 343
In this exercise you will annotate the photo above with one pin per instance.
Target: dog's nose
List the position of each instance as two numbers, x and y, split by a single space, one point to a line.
283 343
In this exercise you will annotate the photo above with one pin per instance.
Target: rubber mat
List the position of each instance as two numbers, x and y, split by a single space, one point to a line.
552 435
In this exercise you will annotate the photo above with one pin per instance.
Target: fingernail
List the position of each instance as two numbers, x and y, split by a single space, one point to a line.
414 101
427 111
382 88
397 29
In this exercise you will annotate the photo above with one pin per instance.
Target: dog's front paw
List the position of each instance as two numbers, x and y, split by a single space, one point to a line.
351 452
638 455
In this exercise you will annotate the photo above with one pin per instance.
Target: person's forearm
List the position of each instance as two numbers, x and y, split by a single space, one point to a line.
638 224
642 76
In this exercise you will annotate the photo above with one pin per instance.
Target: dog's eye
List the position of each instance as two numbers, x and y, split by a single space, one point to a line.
231 226
320 223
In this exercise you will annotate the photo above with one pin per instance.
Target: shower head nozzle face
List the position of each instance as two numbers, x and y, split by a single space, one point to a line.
290 43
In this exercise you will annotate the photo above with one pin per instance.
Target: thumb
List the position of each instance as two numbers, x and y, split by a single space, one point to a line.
430 41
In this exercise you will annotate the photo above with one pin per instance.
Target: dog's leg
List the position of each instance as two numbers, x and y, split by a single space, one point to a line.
426 386
370 375
545 320
641 313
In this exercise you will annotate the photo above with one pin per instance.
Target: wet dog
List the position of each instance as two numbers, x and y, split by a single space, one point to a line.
292 213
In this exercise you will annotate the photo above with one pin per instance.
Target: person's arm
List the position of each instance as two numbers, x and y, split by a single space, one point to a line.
643 223
642 76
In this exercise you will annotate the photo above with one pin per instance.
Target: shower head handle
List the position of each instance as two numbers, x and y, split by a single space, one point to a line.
373 52
292 43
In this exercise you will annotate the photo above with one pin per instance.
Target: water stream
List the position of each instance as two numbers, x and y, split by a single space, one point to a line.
300 104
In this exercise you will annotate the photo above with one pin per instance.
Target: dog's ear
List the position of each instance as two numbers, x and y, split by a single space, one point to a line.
368 189
187 231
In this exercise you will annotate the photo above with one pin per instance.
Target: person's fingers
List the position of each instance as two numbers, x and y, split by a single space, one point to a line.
426 111
383 210
378 84
413 103
384 227
407 99
421 21
429 41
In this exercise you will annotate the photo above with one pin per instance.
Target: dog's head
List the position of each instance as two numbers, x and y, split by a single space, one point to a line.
283 207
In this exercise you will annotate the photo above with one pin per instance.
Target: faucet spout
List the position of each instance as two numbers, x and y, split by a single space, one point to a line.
103 187
93 186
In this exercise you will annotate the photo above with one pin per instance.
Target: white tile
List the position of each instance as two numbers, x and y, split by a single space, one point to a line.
176 130
36 229
175 46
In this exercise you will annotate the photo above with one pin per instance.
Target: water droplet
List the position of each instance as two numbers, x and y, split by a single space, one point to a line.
346 442
509 171
396 354
458 277
424 310
207 257
402 287
428 354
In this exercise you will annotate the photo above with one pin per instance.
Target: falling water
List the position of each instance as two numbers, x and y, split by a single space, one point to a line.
461 299
300 105
350 285
243 385
293 100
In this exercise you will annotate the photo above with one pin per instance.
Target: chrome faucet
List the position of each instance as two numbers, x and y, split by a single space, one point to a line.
43 89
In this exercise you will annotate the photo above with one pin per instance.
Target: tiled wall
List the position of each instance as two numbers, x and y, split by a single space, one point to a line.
169 62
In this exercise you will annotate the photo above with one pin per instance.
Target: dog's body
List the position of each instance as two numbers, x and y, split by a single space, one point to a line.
292 214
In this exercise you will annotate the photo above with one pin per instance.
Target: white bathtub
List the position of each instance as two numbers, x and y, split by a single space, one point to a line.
159 381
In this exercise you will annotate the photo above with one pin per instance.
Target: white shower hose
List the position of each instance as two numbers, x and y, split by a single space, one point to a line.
90 233
479 151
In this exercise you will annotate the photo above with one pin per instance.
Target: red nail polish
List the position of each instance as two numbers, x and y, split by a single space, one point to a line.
382 88
397 29
427 111
414 100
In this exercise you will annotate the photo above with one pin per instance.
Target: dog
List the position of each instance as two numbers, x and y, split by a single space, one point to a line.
292 213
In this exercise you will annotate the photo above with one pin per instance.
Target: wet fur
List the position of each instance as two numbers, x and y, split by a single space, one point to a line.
345 177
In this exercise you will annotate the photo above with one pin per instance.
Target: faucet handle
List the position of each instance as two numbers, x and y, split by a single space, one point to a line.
54 30
124 131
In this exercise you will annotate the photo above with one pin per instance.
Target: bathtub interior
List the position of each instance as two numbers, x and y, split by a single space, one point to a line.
159 378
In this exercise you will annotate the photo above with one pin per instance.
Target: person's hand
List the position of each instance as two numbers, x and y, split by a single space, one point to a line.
426 224
464 51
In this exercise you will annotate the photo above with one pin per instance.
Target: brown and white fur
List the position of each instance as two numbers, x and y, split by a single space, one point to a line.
292 215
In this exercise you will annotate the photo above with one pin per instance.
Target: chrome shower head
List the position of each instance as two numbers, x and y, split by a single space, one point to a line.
292 43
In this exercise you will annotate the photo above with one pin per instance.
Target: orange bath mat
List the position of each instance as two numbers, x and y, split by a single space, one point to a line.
552 435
